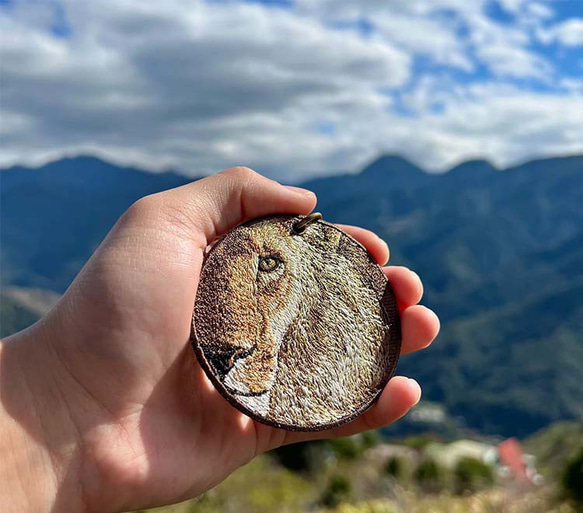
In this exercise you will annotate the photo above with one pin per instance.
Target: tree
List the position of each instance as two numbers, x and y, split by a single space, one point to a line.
573 478
471 474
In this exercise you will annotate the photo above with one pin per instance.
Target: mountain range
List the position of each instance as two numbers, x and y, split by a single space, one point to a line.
500 253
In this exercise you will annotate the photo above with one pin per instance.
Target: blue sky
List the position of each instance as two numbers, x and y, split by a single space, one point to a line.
291 88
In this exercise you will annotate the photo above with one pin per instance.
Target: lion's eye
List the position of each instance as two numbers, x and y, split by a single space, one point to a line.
269 264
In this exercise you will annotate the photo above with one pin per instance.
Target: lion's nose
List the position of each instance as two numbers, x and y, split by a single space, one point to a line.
223 359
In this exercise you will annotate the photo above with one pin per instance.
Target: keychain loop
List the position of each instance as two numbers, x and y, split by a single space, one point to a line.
301 225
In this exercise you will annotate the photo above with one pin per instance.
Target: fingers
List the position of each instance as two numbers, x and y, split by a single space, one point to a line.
406 285
419 327
212 206
398 397
376 246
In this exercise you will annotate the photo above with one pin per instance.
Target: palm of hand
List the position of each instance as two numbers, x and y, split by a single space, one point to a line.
159 416
154 427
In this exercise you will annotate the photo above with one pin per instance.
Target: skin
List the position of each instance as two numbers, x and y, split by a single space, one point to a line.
103 406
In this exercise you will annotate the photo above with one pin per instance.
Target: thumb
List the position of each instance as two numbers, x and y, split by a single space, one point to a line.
216 204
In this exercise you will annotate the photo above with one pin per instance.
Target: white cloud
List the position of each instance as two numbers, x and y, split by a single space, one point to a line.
432 28
455 122
567 33
174 82
539 10
505 123
512 6
572 85
425 36
505 49
527 8
201 86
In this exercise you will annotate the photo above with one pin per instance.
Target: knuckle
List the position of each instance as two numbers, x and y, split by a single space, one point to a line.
143 208
162 216
158 210
242 173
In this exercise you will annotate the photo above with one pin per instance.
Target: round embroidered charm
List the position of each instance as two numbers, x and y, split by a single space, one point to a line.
294 323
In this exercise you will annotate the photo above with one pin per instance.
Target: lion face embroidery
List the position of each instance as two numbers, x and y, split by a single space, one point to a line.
299 331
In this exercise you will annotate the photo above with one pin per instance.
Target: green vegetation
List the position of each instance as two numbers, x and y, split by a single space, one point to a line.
367 507
351 448
419 442
368 484
554 446
471 475
302 457
337 490
483 502
572 481
261 485
308 456
369 439
346 448
397 467
430 477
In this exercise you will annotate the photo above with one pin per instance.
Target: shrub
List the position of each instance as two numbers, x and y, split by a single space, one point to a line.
338 490
573 478
431 477
419 442
300 457
396 467
471 475
348 448
352 447
369 439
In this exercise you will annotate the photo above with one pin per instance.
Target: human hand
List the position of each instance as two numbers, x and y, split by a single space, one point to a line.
104 405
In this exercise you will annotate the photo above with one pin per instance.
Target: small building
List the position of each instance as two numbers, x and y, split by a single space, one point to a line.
513 464
507 458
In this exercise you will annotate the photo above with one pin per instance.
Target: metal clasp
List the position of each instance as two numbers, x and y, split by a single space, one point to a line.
301 225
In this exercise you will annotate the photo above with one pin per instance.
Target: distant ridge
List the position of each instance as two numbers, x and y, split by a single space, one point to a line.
86 171
474 166
88 165
398 167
